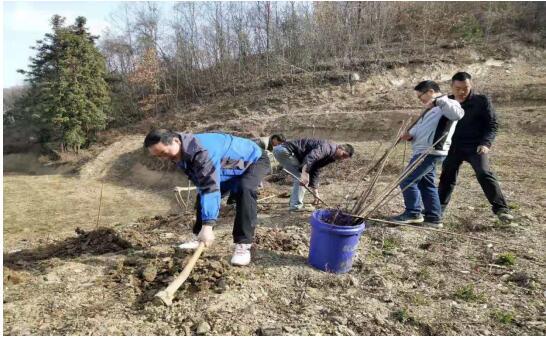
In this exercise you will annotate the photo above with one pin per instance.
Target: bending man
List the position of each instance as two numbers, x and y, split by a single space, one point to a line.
217 164
304 158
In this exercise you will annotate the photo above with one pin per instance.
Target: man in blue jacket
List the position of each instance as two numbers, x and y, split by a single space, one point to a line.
217 164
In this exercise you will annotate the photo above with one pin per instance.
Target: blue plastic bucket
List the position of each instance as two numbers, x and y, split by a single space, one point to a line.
332 247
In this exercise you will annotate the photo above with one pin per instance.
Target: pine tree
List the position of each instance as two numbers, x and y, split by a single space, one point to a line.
68 97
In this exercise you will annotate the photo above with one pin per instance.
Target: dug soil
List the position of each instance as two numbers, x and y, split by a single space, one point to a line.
86 280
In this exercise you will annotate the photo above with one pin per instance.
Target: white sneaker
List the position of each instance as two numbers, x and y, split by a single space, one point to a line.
241 255
192 244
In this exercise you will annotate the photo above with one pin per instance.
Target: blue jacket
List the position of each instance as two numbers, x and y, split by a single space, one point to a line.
211 159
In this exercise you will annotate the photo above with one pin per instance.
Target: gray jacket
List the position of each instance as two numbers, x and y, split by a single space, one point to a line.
314 153
438 122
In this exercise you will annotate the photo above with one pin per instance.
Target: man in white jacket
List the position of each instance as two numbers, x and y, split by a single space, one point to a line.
433 129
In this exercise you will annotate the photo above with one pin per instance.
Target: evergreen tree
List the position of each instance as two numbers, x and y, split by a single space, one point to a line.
68 96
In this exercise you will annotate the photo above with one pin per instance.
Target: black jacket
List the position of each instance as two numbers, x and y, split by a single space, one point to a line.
313 153
478 125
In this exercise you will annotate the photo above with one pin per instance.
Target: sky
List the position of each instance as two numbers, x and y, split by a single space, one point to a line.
26 21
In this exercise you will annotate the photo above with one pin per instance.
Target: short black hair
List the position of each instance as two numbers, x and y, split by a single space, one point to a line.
347 148
259 142
279 137
461 76
155 136
427 85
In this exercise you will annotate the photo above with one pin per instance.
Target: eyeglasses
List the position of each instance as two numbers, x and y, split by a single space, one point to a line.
420 95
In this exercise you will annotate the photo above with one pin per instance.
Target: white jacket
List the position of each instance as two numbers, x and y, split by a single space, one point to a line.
437 122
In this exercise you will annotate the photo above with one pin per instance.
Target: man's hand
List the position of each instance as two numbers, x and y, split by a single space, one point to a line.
430 104
206 235
406 137
482 150
316 201
304 178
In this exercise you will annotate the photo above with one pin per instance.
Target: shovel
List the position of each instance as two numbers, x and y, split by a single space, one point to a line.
166 296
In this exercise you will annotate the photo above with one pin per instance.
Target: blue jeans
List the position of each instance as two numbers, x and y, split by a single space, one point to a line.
423 191
293 165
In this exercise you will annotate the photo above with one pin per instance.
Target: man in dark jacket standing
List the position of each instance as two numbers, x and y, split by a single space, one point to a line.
472 142
304 158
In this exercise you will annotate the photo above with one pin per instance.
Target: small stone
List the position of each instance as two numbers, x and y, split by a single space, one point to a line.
221 286
346 331
216 266
288 329
353 281
202 329
52 278
505 277
221 283
379 321
169 264
339 320
149 273
131 261
270 331
520 278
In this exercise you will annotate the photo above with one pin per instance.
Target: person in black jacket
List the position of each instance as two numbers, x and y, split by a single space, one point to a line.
304 158
471 142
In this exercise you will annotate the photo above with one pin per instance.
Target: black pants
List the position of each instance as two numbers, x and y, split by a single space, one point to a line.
244 190
480 164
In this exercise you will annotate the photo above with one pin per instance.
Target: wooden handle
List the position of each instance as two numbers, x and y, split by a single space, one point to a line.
166 296
306 187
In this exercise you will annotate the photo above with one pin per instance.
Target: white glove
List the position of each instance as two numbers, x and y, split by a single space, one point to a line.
206 235
482 150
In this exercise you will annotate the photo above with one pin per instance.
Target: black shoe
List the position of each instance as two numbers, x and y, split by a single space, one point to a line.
505 217
407 219
435 225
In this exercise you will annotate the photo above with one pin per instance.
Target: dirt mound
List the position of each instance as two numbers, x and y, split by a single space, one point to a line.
148 273
281 240
137 236
280 178
105 240
99 241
